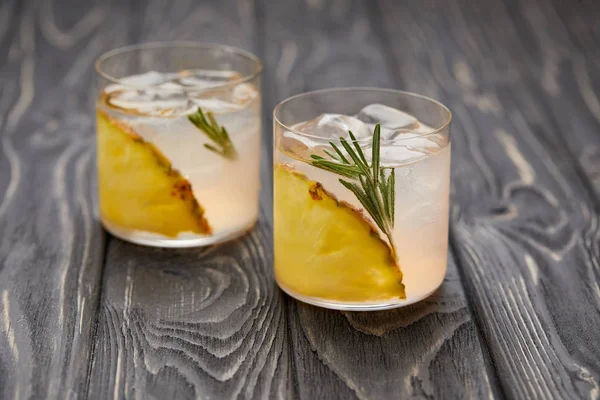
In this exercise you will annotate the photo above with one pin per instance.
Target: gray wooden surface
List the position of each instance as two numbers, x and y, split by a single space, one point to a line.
85 315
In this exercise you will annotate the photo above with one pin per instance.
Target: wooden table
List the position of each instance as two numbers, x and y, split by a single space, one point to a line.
84 315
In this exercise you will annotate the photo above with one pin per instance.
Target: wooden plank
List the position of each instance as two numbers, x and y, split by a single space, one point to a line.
192 323
431 349
524 221
52 248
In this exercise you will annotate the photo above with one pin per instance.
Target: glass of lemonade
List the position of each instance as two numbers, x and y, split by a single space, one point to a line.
178 130
361 197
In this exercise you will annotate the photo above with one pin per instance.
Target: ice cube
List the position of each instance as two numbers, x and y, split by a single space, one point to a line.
297 141
203 78
218 100
176 94
303 147
154 103
402 152
170 86
115 87
216 106
292 143
334 126
145 80
244 93
225 99
390 119
400 134
322 130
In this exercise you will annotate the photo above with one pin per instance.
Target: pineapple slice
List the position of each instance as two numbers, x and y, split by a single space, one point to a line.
139 190
325 248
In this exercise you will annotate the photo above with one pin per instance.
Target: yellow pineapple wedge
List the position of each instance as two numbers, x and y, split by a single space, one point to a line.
325 248
139 189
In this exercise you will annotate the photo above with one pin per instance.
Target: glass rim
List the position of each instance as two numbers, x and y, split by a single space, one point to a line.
181 44
444 126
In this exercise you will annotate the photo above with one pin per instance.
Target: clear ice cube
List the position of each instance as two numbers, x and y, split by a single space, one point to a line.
303 147
145 80
244 94
215 105
405 139
323 129
176 94
392 121
170 86
226 99
411 148
151 102
334 126
203 78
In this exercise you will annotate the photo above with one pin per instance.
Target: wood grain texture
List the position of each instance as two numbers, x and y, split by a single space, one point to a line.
518 314
524 222
51 249
191 324
430 350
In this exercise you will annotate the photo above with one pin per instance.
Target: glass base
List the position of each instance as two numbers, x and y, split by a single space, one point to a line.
182 241
362 306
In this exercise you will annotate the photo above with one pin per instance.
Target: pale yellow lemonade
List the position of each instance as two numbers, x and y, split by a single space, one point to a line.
163 180
418 238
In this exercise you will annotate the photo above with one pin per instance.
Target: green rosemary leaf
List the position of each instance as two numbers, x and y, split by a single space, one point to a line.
195 119
364 199
339 152
382 180
217 134
392 194
376 149
371 202
333 156
358 149
226 135
340 169
213 148
354 156
376 197
348 185
213 121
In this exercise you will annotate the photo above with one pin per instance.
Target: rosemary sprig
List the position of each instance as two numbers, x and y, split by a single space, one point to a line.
218 134
370 185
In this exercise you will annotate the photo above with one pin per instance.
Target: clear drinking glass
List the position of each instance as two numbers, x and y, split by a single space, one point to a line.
178 129
361 218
